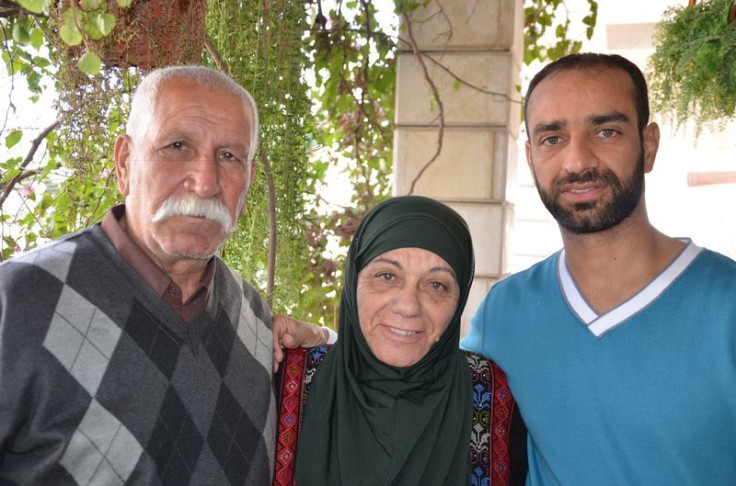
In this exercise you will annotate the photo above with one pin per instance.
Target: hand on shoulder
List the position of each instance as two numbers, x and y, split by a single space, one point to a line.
292 333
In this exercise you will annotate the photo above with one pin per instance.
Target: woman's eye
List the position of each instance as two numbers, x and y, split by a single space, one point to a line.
439 286
386 276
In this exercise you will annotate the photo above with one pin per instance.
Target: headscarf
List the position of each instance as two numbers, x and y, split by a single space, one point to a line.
368 423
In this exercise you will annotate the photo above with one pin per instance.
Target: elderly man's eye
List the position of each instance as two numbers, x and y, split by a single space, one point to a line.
229 156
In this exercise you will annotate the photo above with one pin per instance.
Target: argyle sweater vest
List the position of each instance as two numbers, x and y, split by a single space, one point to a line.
101 383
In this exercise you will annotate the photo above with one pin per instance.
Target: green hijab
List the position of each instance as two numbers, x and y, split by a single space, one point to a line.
368 423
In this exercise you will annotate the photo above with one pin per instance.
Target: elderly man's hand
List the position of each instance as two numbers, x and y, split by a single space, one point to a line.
292 333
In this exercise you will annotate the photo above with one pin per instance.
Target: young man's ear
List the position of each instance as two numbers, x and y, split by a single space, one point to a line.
528 149
651 145
123 149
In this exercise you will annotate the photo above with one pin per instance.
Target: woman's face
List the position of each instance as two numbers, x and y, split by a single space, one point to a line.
406 298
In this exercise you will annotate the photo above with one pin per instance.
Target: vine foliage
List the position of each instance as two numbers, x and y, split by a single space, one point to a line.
59 178
692 71
261 46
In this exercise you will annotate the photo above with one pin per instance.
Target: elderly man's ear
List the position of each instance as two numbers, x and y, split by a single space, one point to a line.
123 149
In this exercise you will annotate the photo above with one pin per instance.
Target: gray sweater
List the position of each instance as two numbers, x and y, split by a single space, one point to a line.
102 383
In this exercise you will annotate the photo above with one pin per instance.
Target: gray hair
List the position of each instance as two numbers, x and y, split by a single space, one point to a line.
145 96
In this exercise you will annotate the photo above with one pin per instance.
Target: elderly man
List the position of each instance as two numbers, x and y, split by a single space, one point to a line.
621 348
129 353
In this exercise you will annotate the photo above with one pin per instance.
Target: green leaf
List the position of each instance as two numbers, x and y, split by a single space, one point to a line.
124 3
50 165
33 78
90 63
68 16
21 34
105 23
70 35
91 4
36 38
11 163
9 175
92 29
35 6
456 85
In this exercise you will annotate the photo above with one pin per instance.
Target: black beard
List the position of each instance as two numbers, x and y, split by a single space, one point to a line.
592 217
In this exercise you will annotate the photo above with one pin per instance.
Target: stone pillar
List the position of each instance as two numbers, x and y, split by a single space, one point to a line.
479 42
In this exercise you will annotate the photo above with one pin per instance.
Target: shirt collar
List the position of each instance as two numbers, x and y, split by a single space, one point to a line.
137 258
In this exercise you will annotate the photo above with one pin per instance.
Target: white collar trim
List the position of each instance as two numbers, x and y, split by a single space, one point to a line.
601 324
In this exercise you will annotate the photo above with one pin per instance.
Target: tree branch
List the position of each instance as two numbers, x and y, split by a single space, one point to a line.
428 56
9 8
29 157
272 231
435 93
221 65
463 81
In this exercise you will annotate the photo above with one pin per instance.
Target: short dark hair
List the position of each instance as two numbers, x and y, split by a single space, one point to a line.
593 60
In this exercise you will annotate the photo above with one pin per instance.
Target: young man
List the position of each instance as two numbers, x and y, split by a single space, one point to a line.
130 353
621 348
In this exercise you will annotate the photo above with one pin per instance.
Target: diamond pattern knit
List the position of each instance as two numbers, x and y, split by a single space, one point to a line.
101 383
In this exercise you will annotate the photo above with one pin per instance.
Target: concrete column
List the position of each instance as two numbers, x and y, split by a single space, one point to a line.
479 42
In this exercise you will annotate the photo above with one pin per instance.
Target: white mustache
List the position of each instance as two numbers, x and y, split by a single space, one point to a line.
211 209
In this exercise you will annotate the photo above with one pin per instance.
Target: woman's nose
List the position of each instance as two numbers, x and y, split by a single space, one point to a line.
407 303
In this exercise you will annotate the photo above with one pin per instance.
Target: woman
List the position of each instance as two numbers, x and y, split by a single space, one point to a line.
395 401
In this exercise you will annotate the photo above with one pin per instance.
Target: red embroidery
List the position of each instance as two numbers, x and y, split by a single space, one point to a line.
502 409
290 406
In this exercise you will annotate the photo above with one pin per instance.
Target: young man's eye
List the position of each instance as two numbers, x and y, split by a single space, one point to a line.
608 133
551 141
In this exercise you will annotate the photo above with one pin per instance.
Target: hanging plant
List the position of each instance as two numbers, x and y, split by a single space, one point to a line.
155 33
99 49
692 71
106 46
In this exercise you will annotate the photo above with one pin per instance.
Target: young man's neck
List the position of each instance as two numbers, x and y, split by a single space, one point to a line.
612 265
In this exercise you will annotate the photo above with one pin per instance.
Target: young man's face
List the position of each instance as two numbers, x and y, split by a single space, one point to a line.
194 149
585 150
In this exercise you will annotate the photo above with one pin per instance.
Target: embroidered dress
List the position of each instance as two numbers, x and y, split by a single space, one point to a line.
490 441
101 383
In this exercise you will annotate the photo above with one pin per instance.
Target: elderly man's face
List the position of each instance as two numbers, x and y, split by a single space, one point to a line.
186 180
